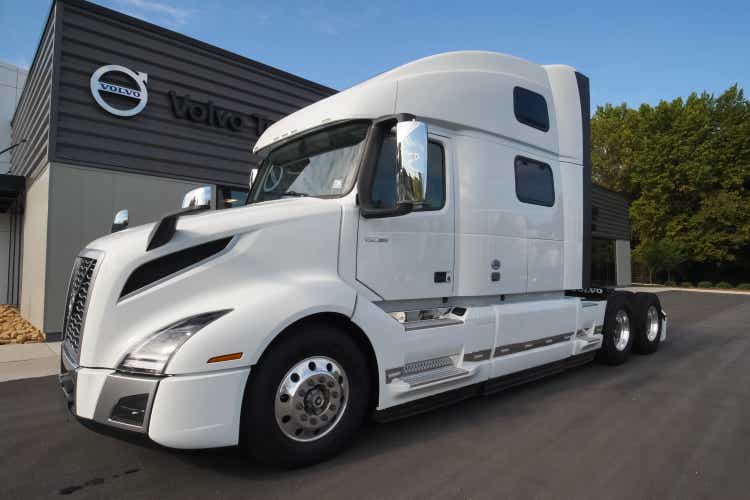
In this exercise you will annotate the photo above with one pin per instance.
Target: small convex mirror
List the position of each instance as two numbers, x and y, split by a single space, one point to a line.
120 221
411 174
198 197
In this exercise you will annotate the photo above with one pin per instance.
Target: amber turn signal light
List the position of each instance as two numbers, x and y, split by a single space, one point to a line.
225 357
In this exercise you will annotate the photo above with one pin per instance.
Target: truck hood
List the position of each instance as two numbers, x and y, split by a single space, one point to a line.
209 225
270 241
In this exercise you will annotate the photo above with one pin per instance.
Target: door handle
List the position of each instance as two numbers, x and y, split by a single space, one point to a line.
376 239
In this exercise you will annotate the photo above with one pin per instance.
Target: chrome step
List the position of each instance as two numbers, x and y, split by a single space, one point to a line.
588 341
432 376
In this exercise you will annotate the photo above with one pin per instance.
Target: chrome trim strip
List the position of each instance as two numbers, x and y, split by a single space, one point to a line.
375 239
417 367
505 350
431 323
481 355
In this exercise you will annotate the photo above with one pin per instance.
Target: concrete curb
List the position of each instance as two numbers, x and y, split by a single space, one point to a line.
657 289
18 361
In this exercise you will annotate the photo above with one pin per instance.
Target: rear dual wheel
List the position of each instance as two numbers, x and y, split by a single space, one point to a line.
647 322
631 322
618 330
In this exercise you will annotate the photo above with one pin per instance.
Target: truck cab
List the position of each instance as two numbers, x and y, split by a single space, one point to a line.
414 240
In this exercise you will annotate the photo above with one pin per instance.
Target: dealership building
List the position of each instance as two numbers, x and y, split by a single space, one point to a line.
116 113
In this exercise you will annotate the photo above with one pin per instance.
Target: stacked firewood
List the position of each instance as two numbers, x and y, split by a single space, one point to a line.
14 329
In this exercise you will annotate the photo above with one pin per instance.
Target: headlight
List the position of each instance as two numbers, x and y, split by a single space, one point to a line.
152 355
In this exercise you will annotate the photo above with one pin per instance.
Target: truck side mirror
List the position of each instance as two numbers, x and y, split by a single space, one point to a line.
198 197
120 221
408 184
411 162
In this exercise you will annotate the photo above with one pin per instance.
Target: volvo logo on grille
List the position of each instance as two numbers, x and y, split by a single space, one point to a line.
137 97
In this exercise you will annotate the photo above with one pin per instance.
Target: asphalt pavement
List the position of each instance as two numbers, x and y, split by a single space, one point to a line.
675 424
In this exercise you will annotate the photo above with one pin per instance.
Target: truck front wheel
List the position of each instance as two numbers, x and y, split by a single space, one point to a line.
618 330
306 398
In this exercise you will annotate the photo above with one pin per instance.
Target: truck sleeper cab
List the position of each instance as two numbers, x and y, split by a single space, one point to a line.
416 239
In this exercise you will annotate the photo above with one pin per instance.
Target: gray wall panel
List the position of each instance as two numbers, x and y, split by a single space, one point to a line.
156 141
610 218
31 120
82 204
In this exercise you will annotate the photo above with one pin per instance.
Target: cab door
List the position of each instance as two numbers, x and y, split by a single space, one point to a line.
409 256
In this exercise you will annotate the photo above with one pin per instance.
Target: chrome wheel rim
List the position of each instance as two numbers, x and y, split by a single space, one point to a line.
311 399
622 330
652 320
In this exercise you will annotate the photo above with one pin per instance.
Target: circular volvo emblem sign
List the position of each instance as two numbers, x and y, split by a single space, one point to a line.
137 96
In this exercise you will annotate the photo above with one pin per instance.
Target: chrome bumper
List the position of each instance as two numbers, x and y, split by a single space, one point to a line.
124 401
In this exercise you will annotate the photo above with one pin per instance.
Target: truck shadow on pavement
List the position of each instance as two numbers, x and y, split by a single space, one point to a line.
469 421
476 424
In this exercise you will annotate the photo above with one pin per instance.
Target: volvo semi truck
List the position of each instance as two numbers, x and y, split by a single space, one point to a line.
417 239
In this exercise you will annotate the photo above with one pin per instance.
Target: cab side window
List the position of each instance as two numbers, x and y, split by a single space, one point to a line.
534 182
383 189
530 108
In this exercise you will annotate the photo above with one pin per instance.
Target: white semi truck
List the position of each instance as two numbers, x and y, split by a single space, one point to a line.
417 239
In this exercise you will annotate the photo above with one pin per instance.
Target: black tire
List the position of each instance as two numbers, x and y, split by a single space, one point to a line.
617 303
642 302
263 437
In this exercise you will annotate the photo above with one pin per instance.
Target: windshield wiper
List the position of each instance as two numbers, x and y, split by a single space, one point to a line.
294 193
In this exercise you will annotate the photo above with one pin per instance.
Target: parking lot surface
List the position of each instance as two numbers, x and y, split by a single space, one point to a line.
672 425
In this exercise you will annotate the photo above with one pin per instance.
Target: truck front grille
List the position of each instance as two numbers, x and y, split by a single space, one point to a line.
75 307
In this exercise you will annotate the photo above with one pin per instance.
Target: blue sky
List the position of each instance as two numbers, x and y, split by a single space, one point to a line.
633 52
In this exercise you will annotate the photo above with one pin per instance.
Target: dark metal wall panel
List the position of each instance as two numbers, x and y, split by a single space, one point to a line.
610 218
31 121
156 141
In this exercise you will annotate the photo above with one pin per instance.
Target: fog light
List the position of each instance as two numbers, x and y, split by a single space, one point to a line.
130 410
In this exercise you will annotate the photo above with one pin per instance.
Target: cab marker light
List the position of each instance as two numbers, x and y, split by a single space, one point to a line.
225 357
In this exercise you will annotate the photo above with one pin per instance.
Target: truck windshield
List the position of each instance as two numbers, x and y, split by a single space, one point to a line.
322 164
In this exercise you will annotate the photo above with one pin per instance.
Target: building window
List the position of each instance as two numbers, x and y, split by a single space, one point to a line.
230 197
603 262
383 192
530 108
534 182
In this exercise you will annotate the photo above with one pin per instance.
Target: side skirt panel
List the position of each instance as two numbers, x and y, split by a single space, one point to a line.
482 388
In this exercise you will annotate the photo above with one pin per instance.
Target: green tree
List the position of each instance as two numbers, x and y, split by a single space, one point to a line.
686 165
662 255
613 130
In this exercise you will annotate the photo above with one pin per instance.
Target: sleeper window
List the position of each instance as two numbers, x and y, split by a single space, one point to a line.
534 182
530 108
383 194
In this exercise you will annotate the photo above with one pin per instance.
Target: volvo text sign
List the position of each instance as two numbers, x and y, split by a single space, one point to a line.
138 96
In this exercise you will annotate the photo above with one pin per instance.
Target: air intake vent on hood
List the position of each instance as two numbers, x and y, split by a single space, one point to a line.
155 270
